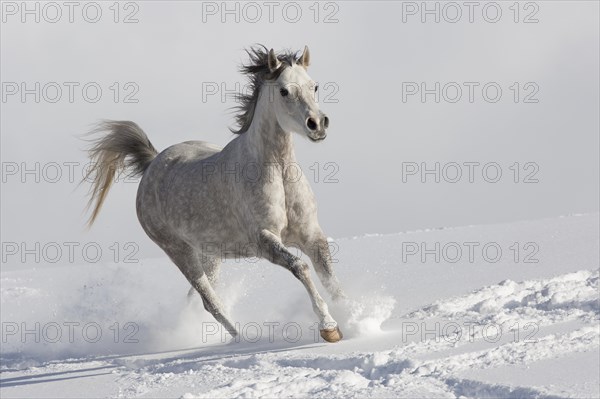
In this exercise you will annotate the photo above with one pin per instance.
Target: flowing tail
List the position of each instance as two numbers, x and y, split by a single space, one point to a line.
122 146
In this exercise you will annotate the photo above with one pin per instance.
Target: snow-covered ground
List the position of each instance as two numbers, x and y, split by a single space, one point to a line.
506 310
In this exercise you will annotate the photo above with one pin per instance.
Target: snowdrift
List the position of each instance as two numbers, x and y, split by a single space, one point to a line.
505 310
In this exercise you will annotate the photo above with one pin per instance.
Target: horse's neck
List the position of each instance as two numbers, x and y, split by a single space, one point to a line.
266 140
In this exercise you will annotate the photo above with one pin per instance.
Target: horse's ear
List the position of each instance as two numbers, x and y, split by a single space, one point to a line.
304 59
273 62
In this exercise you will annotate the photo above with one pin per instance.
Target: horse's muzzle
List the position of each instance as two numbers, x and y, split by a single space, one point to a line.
317 136
317 126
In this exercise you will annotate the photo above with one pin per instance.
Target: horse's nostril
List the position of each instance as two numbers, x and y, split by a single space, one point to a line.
312 125
325 122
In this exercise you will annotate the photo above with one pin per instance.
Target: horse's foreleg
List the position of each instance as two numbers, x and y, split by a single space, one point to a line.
273 249
320 256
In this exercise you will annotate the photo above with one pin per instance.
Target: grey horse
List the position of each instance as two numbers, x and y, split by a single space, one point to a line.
202 204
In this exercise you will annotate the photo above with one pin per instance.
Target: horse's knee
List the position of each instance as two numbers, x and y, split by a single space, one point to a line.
299 269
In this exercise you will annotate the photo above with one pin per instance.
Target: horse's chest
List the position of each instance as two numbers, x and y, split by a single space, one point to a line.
283 207
299 205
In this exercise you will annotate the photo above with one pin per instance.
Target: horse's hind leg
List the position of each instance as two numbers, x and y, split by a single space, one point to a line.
212 303
192 266
274 250
211 267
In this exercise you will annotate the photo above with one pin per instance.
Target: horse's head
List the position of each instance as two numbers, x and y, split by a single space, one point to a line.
293 94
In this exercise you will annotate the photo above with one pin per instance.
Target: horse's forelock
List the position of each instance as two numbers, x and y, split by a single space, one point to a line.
258 72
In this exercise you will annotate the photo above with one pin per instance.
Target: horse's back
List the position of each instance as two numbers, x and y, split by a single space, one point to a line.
194 150
200 149
178 155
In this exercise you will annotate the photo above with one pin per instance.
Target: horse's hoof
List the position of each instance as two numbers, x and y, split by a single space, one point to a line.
332 334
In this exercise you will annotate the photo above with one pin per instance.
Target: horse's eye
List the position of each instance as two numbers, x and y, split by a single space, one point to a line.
284 92
316 88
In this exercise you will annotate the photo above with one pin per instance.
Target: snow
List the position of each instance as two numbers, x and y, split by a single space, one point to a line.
524 324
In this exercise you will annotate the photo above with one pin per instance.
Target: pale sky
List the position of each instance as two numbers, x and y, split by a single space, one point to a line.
372 60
